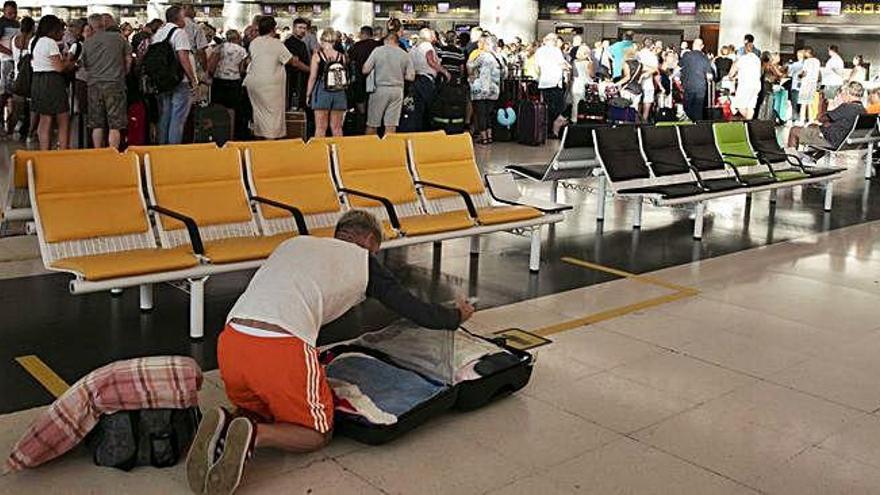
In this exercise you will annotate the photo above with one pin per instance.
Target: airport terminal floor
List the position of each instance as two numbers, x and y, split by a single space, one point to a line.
742 363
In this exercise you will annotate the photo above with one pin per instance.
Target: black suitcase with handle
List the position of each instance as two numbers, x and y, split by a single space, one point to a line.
531 128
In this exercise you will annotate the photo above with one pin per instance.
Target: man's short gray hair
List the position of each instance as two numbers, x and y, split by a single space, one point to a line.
357 223
855 90
96 21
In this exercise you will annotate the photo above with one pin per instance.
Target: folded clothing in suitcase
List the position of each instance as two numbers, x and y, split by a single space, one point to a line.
388 382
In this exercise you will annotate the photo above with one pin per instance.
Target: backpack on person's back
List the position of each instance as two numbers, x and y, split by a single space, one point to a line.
335 76
161 68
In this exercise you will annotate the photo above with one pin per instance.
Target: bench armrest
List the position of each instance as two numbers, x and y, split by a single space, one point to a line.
389 206
793 160
293 210
502 187
730 165
468 202
195 238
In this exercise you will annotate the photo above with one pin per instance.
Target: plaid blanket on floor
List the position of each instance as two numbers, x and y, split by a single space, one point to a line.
144 383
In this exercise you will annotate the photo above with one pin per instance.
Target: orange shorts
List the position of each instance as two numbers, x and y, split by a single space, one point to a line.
279 379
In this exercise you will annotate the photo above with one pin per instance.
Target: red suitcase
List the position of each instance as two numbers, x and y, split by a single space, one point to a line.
531 127
137 124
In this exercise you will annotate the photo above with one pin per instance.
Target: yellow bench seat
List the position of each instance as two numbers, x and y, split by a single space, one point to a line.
388 232
236 249
128 263
495 215
435 224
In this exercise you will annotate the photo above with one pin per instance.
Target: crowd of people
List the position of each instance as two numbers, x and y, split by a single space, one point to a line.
91 72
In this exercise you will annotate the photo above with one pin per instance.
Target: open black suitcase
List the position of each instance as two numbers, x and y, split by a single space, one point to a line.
510 371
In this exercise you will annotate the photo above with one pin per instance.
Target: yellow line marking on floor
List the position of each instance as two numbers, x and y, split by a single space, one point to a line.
632 276
681 292
610 314
43 374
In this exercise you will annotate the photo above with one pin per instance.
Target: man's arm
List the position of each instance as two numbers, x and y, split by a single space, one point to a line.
434 63
383 286
183 57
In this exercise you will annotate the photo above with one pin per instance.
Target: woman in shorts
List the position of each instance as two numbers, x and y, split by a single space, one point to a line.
327 105
49 97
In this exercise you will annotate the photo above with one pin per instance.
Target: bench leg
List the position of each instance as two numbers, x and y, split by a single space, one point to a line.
600 209
698 220
637 214
146 291
197 307
475 244
535 254
554 190
869 162
829 195
773 196
115 292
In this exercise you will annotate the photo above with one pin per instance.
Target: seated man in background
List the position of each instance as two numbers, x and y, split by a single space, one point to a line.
835 125
267 353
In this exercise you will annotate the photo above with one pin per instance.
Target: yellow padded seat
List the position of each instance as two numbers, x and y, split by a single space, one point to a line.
143 150
435 224
293 173
376 167
88 195
323 232
20 180
411 135
326 140
128 263
449 161
506 214
388 232
235 249
205 184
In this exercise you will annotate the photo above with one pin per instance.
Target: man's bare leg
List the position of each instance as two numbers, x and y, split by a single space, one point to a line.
114 138
98 138
291 438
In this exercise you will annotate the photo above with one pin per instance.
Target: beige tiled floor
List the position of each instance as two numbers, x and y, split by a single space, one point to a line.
764 382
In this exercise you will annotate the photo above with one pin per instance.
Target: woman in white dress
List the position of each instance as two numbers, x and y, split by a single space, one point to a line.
266 81
809 76
747 72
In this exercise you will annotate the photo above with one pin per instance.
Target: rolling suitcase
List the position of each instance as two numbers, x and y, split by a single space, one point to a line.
714 111
418 376
136 134
532 123
355 123
211 124
296 124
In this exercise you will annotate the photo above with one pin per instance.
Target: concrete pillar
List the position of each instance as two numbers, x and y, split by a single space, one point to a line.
349 16
762 18
238 14
510 18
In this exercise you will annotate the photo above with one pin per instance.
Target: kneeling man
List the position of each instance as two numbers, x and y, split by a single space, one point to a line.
267 353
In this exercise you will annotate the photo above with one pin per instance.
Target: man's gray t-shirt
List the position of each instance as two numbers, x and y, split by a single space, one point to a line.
104 56
391 65
841 121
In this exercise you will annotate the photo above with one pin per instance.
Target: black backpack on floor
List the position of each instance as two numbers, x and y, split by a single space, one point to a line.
145 437
161 68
